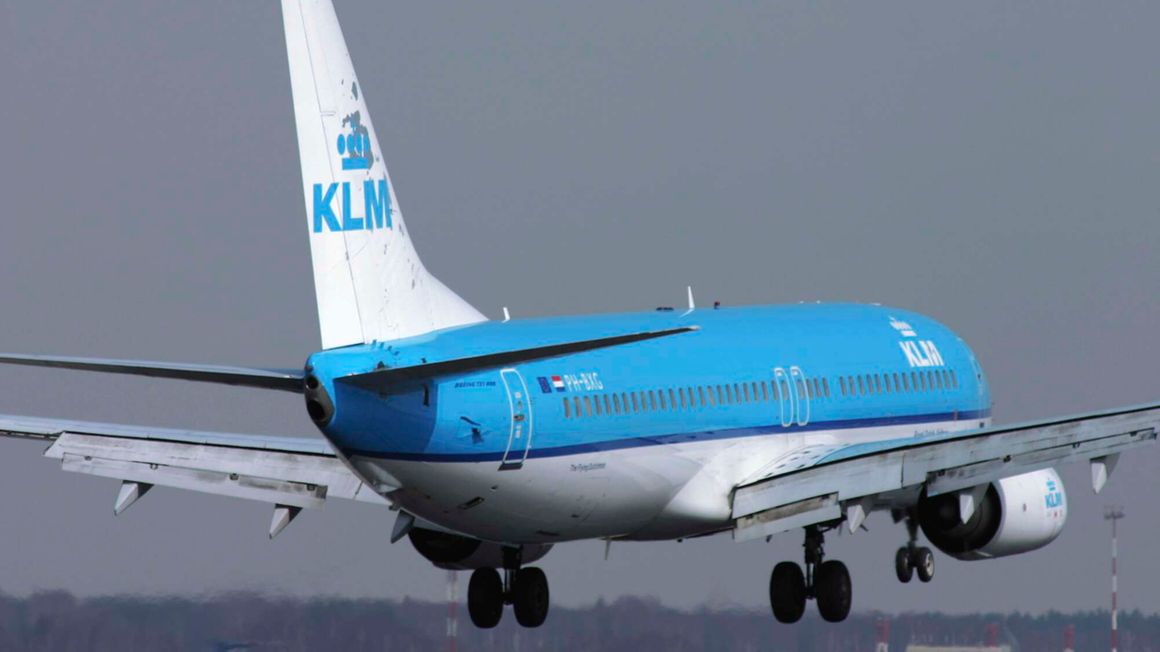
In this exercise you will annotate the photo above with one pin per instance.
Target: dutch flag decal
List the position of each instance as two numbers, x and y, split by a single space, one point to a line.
558 383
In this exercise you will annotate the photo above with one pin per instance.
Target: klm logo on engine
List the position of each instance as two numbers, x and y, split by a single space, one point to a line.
334 205
1054 497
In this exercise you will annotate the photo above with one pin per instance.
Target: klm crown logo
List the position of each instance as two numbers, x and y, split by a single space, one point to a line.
356 153
355 147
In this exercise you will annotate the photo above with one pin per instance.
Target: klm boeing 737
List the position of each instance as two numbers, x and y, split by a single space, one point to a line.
494 441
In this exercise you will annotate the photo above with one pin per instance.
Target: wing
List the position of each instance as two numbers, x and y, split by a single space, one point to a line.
288 472
287 381
828 483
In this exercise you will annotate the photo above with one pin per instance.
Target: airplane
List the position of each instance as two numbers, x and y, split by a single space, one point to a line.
492 441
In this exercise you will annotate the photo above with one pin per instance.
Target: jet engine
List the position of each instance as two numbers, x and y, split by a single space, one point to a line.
454 552
1014 515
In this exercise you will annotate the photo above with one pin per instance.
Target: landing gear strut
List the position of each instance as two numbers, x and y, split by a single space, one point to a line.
526 589
912 557
827 582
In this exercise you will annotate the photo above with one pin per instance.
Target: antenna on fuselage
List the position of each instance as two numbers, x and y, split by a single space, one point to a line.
692 304
507 316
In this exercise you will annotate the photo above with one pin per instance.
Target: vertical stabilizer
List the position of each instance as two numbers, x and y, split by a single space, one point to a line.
369 282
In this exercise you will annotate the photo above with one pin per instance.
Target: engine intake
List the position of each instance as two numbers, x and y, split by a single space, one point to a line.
454 552
1015 515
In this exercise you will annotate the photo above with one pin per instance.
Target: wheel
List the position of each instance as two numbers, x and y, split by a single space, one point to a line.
530 596
833 591
924 563
902 566
485 598
787 592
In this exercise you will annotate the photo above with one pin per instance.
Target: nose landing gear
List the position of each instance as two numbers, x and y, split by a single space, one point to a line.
827 582
526 589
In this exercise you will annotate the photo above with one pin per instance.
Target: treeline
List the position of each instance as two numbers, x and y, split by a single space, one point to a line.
58 621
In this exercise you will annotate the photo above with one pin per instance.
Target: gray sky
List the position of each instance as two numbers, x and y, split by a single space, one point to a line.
992 165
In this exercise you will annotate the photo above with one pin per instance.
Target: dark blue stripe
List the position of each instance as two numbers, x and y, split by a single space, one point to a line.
677 438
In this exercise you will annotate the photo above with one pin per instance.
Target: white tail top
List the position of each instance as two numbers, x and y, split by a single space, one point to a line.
369 282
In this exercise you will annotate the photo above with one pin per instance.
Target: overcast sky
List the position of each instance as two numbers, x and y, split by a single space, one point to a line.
994 165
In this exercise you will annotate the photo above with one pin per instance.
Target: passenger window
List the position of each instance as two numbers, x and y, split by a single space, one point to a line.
700 396
576 404
672 399
798 385
596 401
635 404
861 386
885 382
681 391
745 390
842 384
653 400
954 379
712 398
607 405
826 387
567 408
773 390
624 401
616 403
587 406
720 395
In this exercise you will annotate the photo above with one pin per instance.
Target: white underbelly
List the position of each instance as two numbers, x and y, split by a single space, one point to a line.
647 492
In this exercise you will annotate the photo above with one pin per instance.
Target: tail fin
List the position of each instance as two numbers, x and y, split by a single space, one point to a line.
369 282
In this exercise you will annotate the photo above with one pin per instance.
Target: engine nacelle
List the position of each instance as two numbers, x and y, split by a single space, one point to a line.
454 552
1017 514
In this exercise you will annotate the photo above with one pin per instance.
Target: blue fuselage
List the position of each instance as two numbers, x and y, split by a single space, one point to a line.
751 372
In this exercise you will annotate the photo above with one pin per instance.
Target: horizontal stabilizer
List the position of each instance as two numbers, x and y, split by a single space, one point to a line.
289 381
386 377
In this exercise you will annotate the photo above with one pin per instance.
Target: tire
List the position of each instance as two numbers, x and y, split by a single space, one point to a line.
924 563
787 592
902 566
833 591
485 598
530 596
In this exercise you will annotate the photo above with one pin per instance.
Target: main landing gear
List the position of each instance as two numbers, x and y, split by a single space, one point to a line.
827 582
526 589
912 557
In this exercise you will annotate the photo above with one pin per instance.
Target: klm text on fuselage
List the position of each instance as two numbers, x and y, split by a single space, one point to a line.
376 202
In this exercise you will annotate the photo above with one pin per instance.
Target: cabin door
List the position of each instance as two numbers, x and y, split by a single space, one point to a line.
520 435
